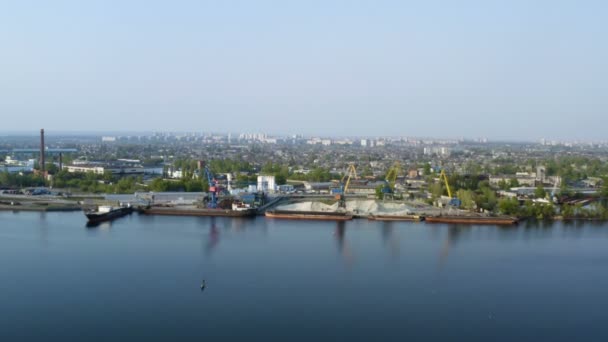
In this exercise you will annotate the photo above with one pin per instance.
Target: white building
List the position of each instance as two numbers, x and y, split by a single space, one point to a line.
101 169
541 173
441 151
85 168
266 184
175 174
15 166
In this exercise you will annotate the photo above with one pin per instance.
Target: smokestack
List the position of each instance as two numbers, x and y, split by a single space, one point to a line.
42 150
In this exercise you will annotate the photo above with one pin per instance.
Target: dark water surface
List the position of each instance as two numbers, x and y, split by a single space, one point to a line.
139 278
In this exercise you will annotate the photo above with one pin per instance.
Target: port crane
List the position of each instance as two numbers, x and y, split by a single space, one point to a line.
454 201
352 173
391 179
214 190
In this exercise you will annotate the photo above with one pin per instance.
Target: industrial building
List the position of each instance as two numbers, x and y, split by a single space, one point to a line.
266 184
120 167
14 166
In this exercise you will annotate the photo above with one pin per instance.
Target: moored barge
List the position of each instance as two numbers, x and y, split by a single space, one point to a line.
463 219
413 218
173 211
309 215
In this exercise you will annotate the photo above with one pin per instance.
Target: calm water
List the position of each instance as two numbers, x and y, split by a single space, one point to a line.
139 277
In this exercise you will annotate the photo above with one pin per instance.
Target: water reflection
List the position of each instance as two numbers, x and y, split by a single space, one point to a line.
454 233
214 237
343 247
43 229
104 225
390 238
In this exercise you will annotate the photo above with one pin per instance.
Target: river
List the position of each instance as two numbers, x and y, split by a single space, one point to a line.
139 278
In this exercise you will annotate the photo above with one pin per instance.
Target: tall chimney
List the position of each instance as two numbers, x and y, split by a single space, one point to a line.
42 150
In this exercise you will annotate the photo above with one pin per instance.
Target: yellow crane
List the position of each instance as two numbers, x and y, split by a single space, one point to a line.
388 189
453 200
443 177
352 173
391 176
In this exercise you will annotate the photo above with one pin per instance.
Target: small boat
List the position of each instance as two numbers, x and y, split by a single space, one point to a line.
107 213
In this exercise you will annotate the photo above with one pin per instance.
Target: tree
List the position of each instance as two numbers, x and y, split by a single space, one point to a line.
159 185
379 193
547 211
51 168
508 206
540 192
503 184
604 188
193 185
436 190
466 199
427 169
486 199
280 179
125 185
568 211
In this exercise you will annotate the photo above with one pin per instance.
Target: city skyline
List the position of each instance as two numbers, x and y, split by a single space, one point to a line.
343 68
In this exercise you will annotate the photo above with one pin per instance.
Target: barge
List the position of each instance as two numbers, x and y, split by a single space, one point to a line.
500 220
238 210
412 218
309 215
173 211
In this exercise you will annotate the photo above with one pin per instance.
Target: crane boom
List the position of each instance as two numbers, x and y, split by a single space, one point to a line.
444 177
213 188
391 175
352 172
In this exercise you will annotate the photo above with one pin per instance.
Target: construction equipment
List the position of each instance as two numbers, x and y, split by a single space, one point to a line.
391 179
352 173
454 201
214 190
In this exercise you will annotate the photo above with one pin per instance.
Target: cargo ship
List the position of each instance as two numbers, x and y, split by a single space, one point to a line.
414 218
309 215
463 219
107 213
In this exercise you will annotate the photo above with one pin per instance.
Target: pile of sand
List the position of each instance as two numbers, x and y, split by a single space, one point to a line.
309 206
361 207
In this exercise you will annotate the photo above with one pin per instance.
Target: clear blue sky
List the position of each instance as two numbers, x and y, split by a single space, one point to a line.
501 69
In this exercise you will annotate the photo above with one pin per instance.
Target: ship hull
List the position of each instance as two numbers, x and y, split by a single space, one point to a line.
411 218
308 215
101 217
200 212
472 220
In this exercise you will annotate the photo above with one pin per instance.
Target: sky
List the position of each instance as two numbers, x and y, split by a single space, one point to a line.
497 69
